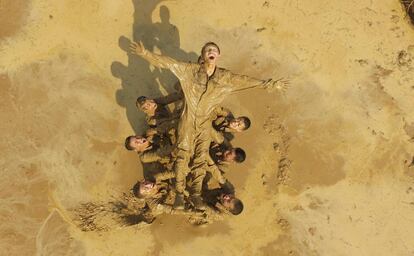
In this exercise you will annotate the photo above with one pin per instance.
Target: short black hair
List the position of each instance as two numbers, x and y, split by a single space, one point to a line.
128 142
237 206
141 100
200 60
240 155
135 190
246 122
209 44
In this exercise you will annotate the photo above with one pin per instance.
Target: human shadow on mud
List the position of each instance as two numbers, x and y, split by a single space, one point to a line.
138 77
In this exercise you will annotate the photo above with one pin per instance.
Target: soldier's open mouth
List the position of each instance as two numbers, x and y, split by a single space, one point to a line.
211 57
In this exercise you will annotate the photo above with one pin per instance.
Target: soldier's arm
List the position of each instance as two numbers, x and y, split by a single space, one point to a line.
228 187
223 167
151 121
216 174
176 67
166 175
170 98
149 157
213 215
155 155
242 82
166 125
152 203
219 112
216 136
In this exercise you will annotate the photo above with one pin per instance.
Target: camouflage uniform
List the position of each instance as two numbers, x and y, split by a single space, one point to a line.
221 121
215 210
160 154
202 95
217 168
221 118
163 120
159 151
157 157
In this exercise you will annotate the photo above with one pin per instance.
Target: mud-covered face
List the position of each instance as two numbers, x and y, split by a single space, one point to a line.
210 54
227 200
146 188
237 124
148 106
138 143
229 155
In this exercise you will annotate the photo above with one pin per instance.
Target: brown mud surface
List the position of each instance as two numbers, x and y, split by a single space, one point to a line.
330 164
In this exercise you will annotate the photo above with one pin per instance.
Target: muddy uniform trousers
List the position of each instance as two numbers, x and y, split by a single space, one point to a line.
192 147
194 180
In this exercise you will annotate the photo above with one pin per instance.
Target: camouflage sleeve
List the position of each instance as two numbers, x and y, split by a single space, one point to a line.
219 112
166 175
210 161
151 121
223 167
176 67
170 98
161 155
241 82
216 136
213 215
149 156
228 187
166 125
153 203
216 174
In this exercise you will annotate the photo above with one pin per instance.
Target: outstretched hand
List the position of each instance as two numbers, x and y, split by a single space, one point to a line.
281 84
137 48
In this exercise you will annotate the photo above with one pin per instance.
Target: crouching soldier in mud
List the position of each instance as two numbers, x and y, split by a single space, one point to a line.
156 197
148 151
221 203
158 117
225 124
205 86
219 162
159 198
224 121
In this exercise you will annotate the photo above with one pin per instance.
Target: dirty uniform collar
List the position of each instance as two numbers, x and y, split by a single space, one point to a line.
203 71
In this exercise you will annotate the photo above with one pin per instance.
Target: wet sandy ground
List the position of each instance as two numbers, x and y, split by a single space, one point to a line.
330 164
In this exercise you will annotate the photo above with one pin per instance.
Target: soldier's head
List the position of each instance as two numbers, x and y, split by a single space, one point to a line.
146 105
144 189
231 203
240 124
210 53
136 143
234 155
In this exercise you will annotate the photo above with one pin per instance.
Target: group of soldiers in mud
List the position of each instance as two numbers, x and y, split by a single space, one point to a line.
191 142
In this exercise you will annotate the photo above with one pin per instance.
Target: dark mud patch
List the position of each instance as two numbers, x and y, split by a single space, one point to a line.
13 14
